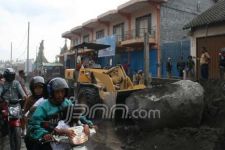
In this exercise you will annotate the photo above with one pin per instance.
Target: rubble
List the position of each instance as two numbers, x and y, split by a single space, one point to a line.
203 138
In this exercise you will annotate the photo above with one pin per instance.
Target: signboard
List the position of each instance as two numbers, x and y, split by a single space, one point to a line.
108 40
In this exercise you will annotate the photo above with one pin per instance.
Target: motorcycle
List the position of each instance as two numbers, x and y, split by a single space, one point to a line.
3 119
12 114
76 143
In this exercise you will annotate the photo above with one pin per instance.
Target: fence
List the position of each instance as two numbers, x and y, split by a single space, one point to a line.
174 50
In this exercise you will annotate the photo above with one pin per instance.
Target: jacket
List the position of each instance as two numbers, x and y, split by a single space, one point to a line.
41 114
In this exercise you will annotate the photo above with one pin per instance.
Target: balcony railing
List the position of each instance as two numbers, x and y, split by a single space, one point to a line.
135 34
129 35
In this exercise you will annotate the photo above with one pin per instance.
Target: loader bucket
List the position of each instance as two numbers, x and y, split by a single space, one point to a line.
120 100
123 94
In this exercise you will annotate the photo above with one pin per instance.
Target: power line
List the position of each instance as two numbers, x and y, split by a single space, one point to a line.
21 42
19 46
22 54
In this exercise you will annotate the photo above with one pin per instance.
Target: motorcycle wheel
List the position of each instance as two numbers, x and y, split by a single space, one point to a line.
15 138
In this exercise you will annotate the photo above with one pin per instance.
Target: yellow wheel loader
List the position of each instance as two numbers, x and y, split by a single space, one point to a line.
96 85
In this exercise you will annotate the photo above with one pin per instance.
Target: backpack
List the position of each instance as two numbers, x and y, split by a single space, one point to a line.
6 90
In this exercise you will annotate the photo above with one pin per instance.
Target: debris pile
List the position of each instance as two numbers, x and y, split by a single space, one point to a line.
200 129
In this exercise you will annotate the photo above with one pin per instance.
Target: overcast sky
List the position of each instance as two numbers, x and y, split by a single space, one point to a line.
48 20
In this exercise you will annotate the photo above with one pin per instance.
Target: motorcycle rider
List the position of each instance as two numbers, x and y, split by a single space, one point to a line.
57 101
11 91
39 92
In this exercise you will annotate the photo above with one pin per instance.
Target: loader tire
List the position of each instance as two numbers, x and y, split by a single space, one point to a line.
89 96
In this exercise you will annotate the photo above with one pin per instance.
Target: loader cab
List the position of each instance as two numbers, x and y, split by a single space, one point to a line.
86 56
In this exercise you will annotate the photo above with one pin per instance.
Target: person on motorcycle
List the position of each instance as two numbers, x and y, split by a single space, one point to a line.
11 89
39 92
10 92
57 101
81 128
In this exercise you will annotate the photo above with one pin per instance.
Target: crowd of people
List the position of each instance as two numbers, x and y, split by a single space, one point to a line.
187 69
42 109
184 68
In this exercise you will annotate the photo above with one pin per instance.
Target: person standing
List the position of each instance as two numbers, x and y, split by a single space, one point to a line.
190 67
169 68
204 64
222 64
181 67
21 80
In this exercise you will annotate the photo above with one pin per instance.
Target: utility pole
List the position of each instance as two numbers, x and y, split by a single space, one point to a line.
36 58
11 56
75 55
28 40
76 74
146 59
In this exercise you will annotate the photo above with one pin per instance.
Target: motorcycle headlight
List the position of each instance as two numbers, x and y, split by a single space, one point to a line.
14 111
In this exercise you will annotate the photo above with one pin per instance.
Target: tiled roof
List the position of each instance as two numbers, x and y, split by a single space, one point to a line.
213 15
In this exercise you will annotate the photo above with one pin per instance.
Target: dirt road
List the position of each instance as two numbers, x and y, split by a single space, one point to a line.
4 144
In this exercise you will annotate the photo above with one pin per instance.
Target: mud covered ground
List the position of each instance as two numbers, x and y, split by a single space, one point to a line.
209 135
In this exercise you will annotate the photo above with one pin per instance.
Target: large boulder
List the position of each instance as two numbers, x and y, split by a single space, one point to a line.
179 104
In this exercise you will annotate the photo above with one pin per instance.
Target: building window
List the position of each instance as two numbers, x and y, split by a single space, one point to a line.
86 38
143 24
100 34
75 42
118 31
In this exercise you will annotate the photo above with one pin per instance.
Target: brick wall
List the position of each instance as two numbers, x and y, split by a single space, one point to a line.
176 13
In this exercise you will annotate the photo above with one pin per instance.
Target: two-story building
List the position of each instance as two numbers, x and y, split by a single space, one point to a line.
163 20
